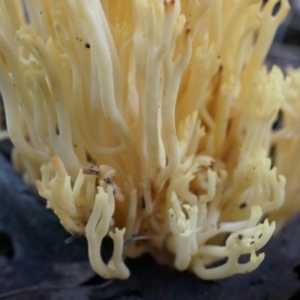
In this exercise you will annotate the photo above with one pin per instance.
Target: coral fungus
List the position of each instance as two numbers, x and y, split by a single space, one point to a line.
150 121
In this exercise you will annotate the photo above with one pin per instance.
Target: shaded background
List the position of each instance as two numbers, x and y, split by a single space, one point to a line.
35 262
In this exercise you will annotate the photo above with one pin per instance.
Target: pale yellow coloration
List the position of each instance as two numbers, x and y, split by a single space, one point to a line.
150 119
287 144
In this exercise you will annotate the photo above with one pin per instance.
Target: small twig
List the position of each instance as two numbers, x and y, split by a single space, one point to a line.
73 237
136 237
